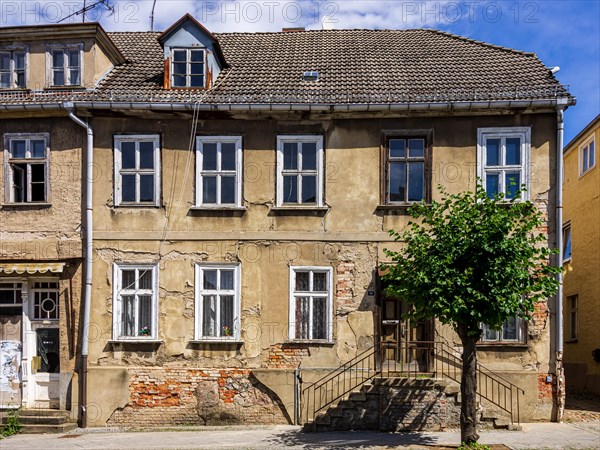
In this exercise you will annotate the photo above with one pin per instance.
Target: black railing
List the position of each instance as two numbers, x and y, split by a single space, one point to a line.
407 359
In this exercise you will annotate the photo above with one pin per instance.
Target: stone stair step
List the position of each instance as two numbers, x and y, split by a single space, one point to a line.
38 412
39 428
42 420
346 404
323 419
357 397
335 412
502 422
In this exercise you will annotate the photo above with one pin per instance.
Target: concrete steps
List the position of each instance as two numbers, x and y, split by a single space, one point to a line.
34 421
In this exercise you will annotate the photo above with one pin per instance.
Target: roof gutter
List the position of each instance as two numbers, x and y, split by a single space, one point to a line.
87 296
317 107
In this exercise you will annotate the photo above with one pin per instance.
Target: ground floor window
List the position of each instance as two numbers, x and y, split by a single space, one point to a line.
310 303
217 301
135 297
513 330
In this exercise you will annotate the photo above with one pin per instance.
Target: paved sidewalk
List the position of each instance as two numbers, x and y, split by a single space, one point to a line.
533 436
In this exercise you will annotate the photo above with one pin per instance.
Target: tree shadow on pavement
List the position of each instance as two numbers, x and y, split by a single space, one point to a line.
349 439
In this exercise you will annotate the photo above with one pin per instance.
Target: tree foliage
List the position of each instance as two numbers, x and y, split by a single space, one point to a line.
472 259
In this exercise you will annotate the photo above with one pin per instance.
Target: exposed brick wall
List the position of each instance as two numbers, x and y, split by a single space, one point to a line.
545 390
540 316
162 396
286 356
344 288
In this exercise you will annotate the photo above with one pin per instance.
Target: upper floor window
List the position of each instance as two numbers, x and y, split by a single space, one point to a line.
219 171
406 158
310 303
26 160
300 170
217 301
66 65
187 68
513 330
12 69
567 243
135 302
502 160
587 156
137 170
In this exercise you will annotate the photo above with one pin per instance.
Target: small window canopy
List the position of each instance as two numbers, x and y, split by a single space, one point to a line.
31 268
310 75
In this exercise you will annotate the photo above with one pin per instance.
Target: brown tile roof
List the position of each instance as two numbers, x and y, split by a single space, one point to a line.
355 66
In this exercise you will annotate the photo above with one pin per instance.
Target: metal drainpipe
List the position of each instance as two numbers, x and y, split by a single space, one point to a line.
559 244
89 160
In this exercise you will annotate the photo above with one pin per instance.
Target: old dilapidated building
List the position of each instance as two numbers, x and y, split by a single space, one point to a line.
239 190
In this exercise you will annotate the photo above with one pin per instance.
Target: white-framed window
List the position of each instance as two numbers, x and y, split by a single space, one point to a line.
137 170
587 156
406 169
65 65
45 300
503 160
218 301
219 171
311 303
135 301
513 330
300 170
572 332
26 163
187 68
567 243
13 65
11 298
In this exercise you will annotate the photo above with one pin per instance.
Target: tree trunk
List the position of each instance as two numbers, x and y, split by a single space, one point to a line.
468 388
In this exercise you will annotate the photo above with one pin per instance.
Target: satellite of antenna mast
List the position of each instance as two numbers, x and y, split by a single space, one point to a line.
152 16
87 8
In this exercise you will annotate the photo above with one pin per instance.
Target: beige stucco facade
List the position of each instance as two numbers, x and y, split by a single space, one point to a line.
349 237
582 270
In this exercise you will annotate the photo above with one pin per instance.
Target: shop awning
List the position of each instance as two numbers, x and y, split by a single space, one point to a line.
31 268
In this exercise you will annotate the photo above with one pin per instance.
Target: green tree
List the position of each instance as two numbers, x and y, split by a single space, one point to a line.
472 259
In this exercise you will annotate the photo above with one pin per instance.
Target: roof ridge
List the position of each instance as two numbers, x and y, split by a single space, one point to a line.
475 41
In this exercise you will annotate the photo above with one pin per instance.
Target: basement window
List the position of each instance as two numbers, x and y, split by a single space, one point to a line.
187 68
135 297
26 159
310 303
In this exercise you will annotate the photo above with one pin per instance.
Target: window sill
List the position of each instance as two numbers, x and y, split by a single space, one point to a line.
567 261
137 205
217 342
65 88
218 211
299 210
572 341
502 345
316 342
27 205
136 341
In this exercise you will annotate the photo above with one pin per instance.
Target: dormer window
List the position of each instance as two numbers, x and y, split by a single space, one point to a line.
12 69
65 65
187 68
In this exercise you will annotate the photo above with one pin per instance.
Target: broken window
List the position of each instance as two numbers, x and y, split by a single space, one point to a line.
137 170
300 170
45 300
219 171
503 156
187 68
65 66
27 168
136 302
310 305
217 301
406 170
12 69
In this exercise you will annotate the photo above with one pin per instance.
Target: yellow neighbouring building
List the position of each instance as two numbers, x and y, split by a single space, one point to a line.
581 244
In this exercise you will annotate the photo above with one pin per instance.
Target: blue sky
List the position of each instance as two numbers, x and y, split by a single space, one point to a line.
564 33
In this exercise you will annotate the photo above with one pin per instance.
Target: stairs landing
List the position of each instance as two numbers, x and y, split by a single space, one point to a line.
37 420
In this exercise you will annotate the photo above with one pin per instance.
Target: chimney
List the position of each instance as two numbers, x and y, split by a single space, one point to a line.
292 30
